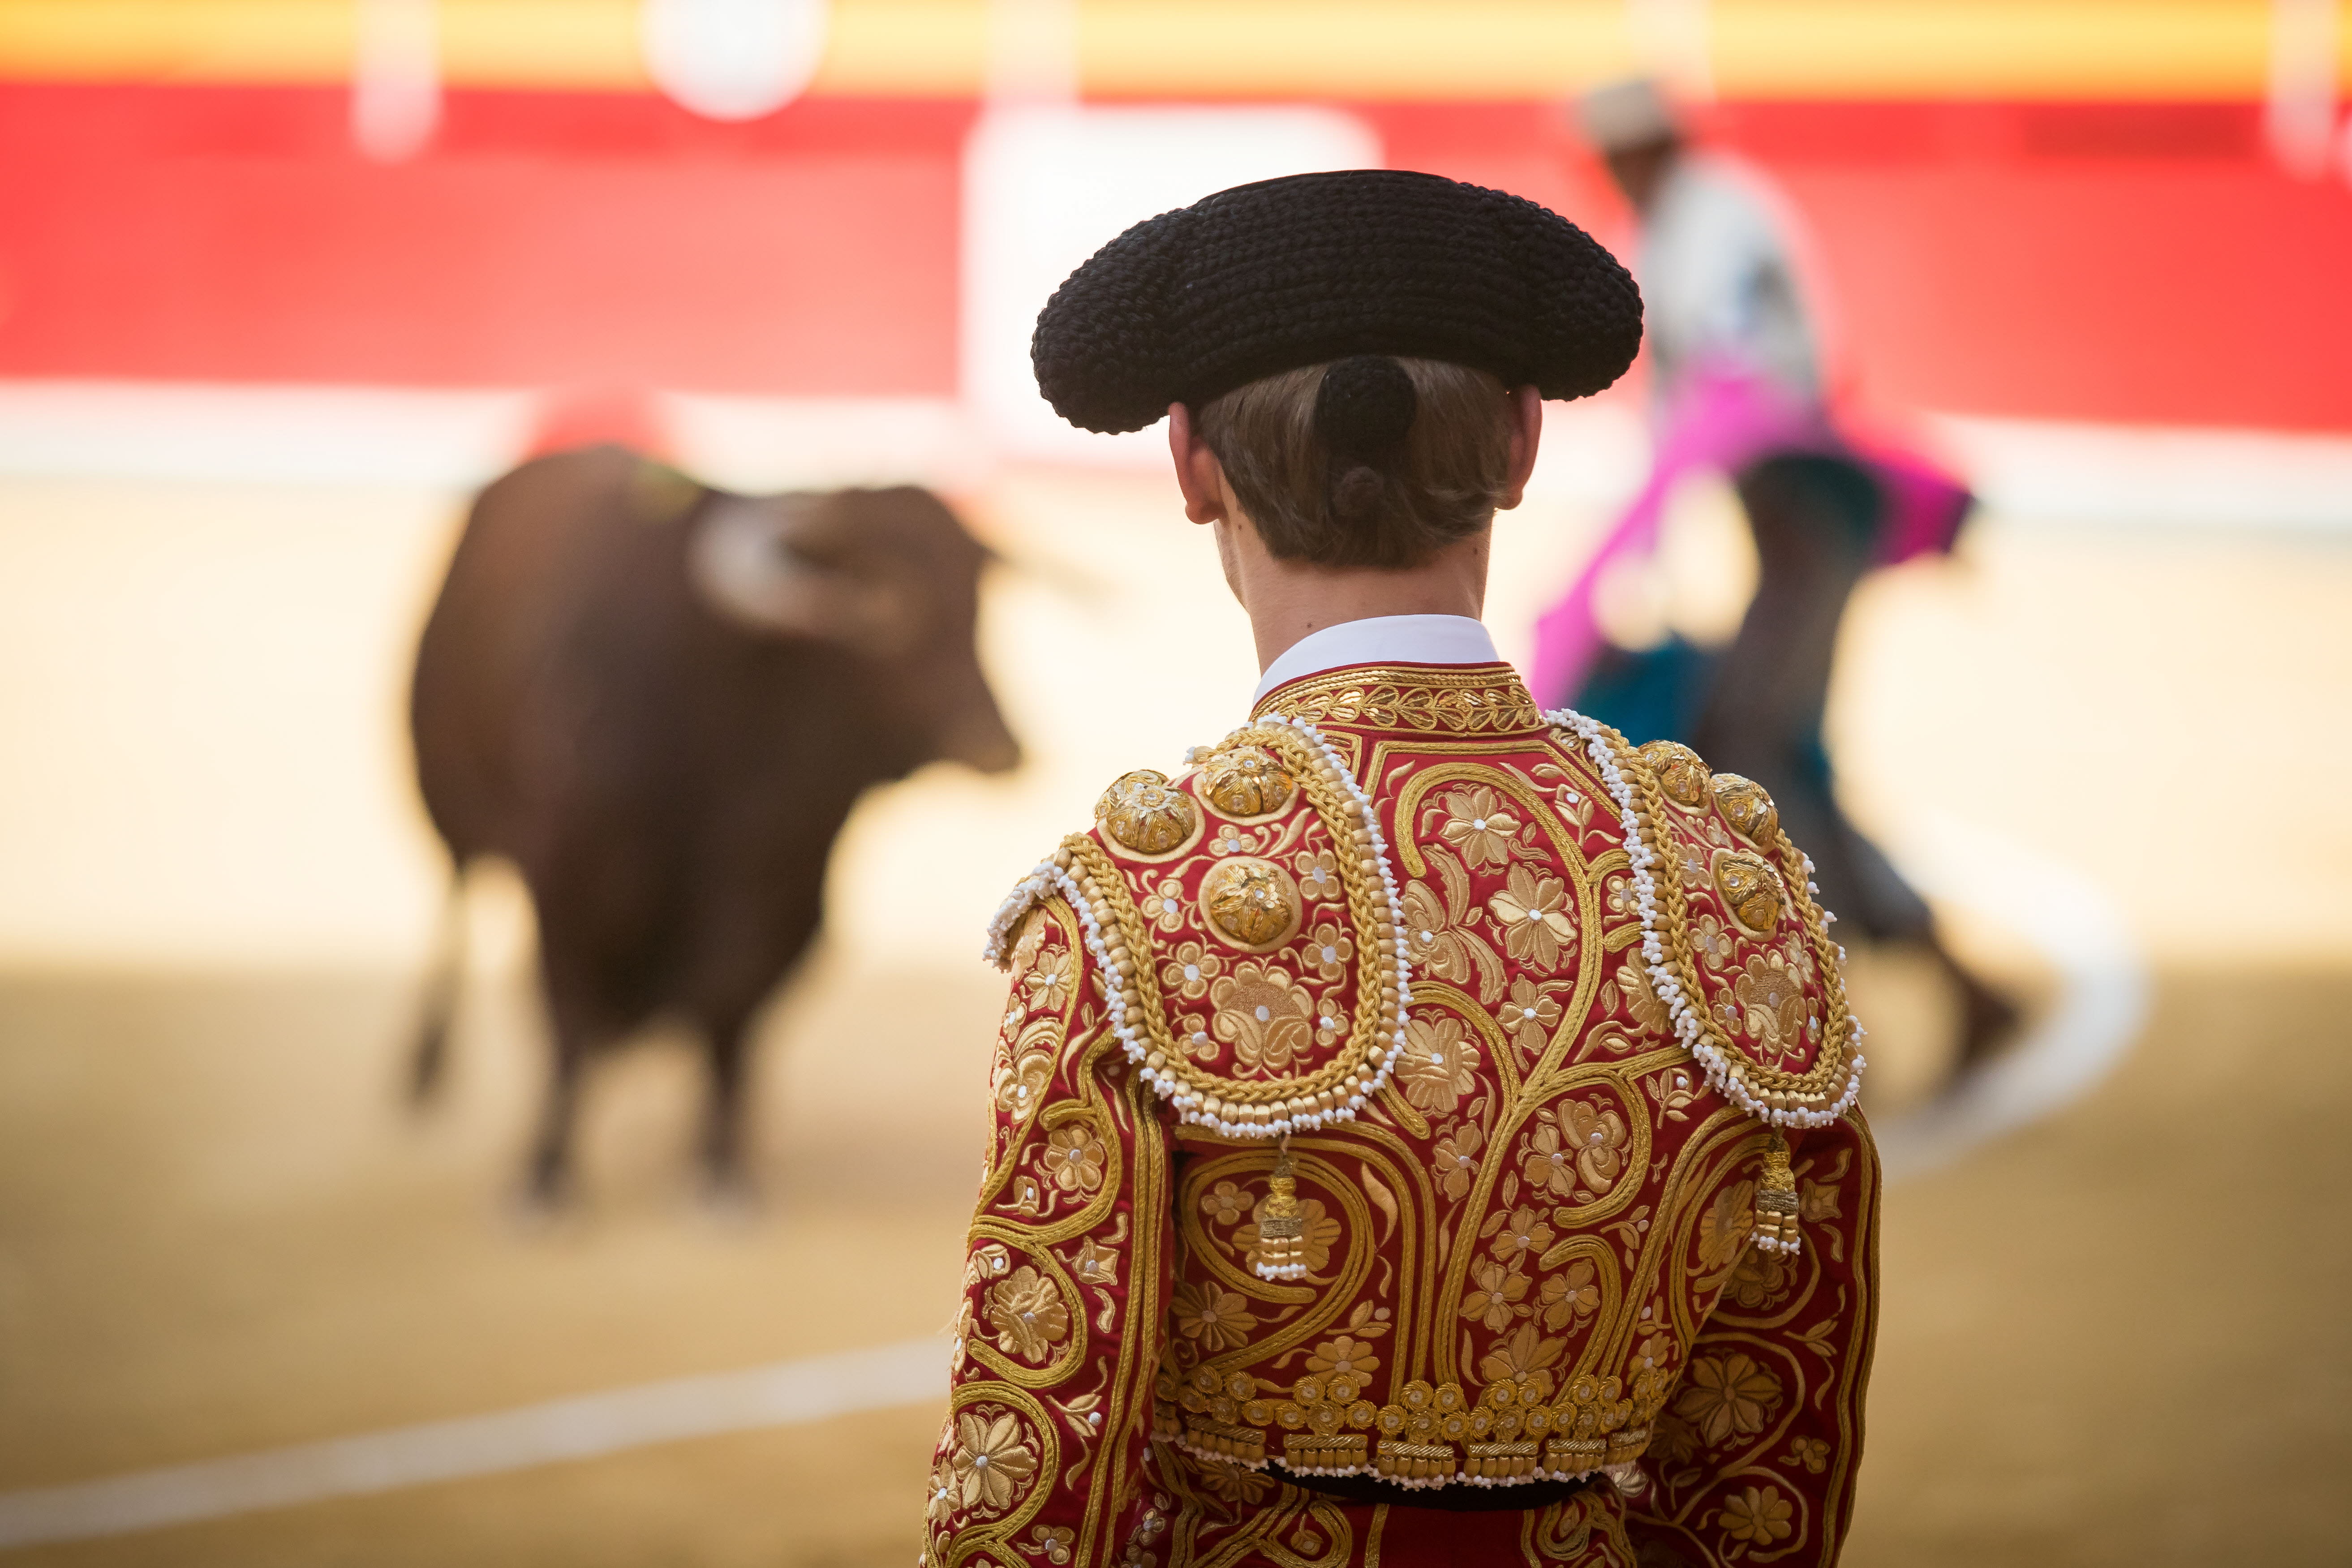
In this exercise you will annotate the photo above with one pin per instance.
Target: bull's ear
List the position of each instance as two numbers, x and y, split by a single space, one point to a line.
765 566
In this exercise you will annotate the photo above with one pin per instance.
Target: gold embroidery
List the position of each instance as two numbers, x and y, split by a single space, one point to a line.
1252 901
1746 883
1680 771
1748 809
1027 1315
1246 781
1146 814
993 1460
1473 700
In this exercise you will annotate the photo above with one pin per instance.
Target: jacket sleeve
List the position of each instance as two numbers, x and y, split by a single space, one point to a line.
1753 1460
1066 1282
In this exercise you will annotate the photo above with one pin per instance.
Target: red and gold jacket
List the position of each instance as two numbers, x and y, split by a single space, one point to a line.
1416 1087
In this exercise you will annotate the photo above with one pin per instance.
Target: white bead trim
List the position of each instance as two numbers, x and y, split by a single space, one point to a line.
1690 1025
1053 876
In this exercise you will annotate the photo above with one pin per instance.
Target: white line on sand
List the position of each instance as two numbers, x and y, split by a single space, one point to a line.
783 1394
2102 1001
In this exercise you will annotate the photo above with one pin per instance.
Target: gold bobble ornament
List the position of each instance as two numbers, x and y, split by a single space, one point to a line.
1776 1200
1247 781
1281 1225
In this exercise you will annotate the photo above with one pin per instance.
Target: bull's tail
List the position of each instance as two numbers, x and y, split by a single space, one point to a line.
438 1010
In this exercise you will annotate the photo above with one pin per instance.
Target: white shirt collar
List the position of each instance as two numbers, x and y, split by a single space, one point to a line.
1382 639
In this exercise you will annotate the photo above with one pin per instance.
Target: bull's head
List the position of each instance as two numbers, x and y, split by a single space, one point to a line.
888 576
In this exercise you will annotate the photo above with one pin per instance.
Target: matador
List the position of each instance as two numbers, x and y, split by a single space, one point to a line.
1425 1127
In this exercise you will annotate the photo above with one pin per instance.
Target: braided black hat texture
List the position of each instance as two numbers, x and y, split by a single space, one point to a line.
1266 278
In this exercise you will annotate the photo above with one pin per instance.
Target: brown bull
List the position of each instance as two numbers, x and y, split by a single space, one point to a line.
660 701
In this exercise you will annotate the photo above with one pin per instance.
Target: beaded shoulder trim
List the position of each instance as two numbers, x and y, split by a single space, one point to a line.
1083 872
1829 1086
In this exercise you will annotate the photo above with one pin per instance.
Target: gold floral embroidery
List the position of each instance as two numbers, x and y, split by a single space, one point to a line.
1074 1159
1529 1015
1053 1543
1164 905
1757 1516
1021 1085
1532 913
1436 933
1027 1314
1096 1263
1726 1396
1224 1202
1328 948
1346 1356
1567 1295
1633 992
1033 927
992 1464
1188 970
1712 941
1761 1279
1723 1230
1440 1064
1576 1142
1771 1003
1495 1301
1049 980
960 1335
1219 1319
1456 1160
1261 1009
947 1489
1813 1453
1478 825
1318 875
1524 1357
1231 1484
1523 1237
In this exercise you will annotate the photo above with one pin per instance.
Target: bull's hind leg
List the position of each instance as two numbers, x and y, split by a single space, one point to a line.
438 1009
579 1025
551 1150
728 1181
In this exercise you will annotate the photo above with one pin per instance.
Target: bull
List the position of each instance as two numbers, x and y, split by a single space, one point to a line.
660 700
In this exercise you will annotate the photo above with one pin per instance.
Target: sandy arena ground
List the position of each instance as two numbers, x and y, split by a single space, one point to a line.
2114 1338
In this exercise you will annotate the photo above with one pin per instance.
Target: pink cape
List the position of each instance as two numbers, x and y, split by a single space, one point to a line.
1723 420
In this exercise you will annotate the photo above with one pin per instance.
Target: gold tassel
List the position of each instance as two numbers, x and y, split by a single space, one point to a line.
1776 1201
1281 1226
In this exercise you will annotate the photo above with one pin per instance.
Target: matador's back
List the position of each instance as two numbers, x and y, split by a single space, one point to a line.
1419 1119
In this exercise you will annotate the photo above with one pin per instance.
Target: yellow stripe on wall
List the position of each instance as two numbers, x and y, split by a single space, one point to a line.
1360 48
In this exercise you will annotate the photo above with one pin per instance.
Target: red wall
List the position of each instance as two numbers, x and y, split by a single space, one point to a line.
2130 262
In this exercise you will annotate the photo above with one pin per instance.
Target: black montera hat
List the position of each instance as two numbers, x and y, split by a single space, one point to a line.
1266 278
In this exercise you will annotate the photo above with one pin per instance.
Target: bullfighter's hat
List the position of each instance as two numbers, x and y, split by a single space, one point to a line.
1270 277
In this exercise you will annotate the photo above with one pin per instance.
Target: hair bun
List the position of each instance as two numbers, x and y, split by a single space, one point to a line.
1365 405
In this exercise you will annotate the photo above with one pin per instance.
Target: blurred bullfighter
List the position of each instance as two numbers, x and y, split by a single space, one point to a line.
660 701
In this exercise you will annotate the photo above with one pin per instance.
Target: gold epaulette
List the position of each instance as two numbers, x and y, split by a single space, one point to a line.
1217 853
